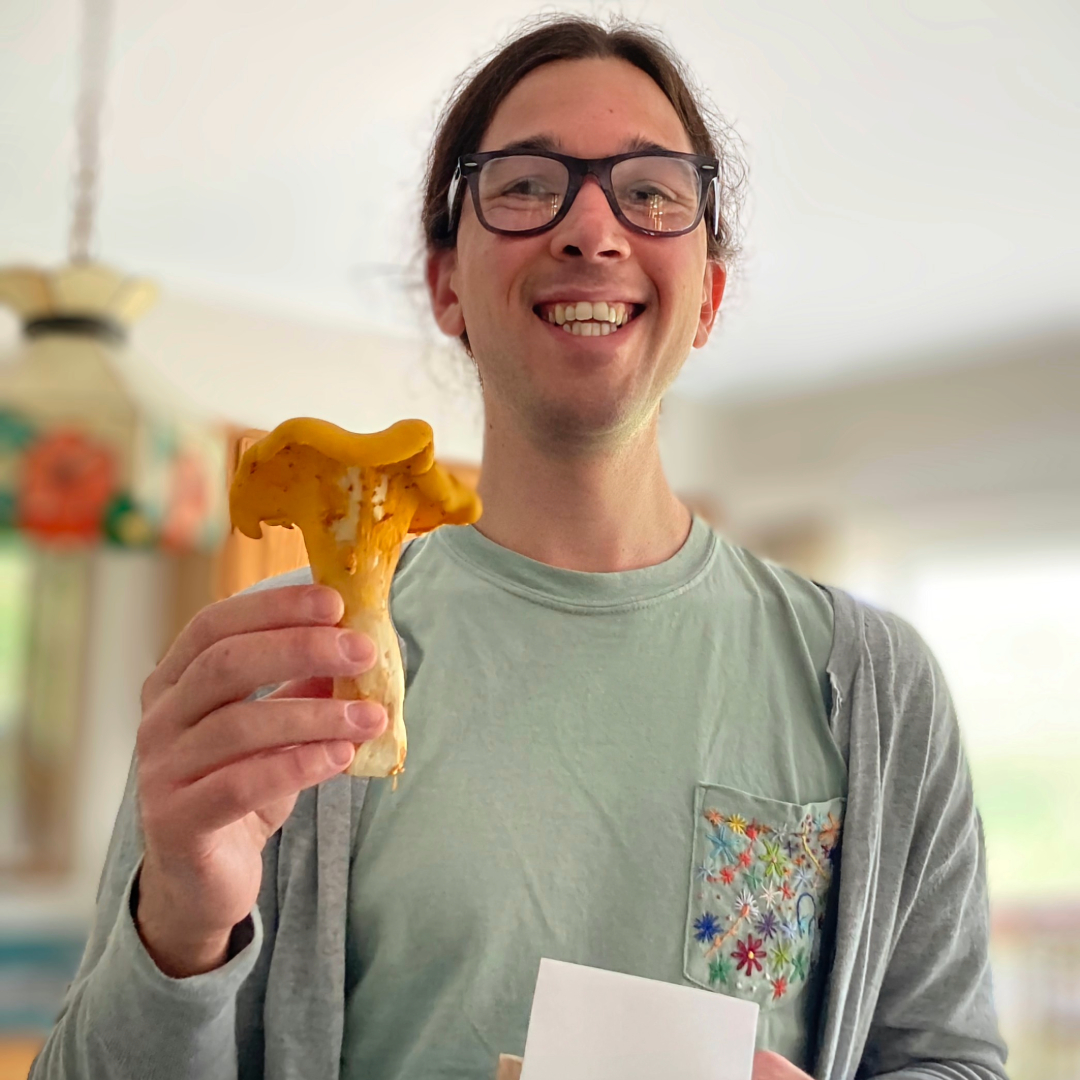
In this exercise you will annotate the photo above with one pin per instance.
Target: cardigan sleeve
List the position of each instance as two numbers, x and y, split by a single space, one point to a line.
122 1018
934 1015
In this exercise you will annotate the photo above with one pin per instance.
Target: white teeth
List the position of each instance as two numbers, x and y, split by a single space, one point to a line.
592 318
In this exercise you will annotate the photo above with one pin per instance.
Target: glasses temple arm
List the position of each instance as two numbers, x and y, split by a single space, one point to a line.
455 183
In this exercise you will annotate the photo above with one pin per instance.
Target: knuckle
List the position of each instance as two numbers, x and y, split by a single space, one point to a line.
147 695
153 820
216 663
200 627
319 649
142 746
297 765
147 745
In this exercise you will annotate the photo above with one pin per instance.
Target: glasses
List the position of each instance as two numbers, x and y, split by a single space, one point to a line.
525 192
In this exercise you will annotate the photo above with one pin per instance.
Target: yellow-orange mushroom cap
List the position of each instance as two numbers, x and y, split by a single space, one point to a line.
289 476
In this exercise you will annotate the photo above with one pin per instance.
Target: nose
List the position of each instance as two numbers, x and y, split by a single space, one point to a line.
590 229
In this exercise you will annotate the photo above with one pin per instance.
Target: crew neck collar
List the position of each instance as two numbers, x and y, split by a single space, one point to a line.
557 586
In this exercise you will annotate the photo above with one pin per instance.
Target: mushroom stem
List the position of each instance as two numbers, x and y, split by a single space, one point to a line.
385 682
355 550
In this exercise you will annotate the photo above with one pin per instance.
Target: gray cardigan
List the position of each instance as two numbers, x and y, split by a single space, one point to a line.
909 993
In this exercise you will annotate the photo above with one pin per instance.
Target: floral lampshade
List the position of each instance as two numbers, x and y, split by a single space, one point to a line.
92 447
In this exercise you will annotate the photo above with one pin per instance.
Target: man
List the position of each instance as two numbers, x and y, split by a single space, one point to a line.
631 744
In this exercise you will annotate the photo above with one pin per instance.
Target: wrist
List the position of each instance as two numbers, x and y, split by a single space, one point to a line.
177 951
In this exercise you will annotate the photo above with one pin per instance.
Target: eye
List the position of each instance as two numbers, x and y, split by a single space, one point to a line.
528 187
644 193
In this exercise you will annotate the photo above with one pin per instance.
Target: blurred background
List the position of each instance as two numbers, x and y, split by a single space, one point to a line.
208 225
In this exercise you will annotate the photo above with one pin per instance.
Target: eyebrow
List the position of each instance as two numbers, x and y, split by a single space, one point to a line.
552 145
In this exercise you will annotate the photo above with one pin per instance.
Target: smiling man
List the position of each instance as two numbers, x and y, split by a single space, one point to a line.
632 744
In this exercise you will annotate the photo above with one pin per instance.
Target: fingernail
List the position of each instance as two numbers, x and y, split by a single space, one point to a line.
340 753
365 716
353 647
324 604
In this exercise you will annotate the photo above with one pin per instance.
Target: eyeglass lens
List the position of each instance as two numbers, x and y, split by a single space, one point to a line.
523 192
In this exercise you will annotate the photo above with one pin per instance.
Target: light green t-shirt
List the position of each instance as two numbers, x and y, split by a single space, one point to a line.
629 770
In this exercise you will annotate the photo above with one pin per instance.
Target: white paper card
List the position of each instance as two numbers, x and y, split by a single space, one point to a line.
589 1024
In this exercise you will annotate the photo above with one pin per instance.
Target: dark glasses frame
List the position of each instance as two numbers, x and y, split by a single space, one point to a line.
469 166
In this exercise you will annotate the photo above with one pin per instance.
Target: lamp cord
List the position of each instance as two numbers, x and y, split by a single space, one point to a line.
93 58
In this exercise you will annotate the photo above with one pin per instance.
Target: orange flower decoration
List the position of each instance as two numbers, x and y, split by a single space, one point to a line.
189 503
67 480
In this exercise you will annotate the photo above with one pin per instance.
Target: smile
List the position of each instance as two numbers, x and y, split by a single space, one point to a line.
597 318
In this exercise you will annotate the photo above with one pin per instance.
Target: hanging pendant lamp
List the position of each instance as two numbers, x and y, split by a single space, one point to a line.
92 446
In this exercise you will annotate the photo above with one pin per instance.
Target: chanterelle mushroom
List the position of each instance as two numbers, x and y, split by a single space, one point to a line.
354 498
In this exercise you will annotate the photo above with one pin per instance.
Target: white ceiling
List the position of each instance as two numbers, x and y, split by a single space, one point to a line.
914 163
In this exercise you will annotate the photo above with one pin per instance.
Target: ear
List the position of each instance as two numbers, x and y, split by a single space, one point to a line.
712 292
445 305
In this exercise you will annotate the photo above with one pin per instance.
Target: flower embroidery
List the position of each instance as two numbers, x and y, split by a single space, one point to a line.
745 904
706 927
779 958
753 880
773 860
768 926
798 965
770 897
719 971
759 901
829 832
723 845
749 954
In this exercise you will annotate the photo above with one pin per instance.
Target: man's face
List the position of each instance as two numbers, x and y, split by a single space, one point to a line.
578 391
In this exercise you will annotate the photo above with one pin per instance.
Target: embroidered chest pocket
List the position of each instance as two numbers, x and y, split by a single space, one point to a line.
760 883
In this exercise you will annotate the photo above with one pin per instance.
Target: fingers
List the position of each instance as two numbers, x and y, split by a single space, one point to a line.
231 669
247 729
269 609
233 792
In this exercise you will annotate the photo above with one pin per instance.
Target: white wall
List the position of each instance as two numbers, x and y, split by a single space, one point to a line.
985 451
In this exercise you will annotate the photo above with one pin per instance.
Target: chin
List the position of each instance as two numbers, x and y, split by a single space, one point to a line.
586 421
